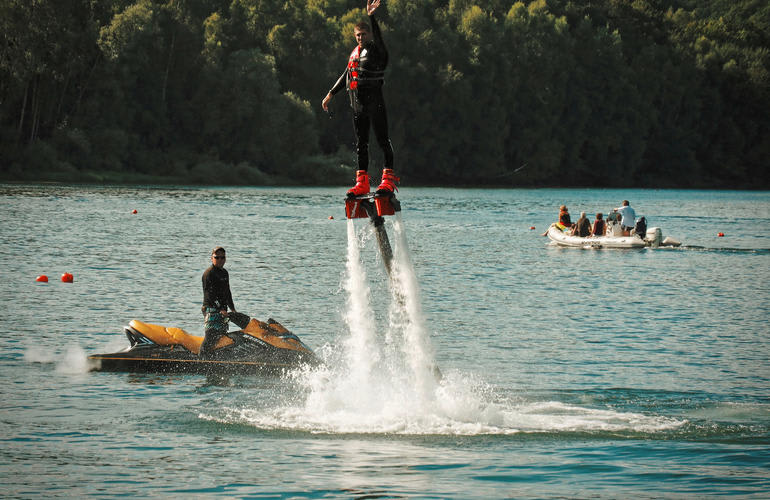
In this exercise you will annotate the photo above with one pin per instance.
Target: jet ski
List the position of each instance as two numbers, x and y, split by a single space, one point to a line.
259 348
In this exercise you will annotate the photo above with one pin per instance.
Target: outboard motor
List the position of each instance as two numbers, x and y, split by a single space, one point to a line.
654 237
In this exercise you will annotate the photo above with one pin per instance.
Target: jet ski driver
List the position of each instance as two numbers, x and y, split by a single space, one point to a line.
216 299
363 77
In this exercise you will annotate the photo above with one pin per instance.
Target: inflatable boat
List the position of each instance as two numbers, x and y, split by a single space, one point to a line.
652 238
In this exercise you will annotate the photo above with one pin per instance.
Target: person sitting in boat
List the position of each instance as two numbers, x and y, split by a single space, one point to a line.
613 224
640 229
582 227
600 226
565 222
628 218
216 300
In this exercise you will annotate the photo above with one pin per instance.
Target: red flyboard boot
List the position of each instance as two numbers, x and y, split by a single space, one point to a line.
388 184
362 184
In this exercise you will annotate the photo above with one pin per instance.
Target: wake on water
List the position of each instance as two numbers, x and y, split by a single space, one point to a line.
387 383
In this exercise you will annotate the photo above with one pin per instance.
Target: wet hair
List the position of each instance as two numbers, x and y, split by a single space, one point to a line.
362 26
218 249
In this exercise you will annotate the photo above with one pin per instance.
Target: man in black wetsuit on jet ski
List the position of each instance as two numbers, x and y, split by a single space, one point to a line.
216 300
363 77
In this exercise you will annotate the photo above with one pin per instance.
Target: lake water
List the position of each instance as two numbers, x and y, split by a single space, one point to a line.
566 372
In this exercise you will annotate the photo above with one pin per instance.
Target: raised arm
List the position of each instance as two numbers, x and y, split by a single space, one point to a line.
377 35
371 6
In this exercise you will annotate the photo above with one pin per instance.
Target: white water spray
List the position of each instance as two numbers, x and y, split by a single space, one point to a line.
73 360
407 324
360 350
387 382
384 380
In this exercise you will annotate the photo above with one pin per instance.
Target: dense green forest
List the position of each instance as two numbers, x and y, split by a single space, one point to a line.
647 93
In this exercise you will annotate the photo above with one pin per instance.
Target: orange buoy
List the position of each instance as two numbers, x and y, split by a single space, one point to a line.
531 227
67 278
134 211
721 234
42 278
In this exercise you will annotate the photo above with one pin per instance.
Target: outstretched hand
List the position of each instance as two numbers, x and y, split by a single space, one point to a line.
371 6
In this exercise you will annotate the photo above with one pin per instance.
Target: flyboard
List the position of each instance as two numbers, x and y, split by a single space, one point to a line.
375 207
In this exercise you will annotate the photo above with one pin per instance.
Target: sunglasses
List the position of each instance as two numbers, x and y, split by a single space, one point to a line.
217 257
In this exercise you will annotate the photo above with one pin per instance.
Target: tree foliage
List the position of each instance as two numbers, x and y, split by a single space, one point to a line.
660 93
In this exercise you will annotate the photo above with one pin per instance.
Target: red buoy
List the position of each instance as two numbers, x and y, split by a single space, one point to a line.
134 211
721 234
67 278
42 278
331 217
531 227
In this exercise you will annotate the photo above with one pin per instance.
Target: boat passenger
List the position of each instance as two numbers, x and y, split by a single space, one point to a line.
564 218
640 229
582 227
600 226
216 300
628 218
613 224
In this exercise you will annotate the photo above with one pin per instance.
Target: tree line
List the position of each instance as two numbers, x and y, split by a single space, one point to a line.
649 93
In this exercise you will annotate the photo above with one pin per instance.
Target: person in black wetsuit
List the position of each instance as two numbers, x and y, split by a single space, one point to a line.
216 300
363 77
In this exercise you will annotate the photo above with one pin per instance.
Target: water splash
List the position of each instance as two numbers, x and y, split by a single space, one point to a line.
360 346
73 360
384 380
407 327
37 354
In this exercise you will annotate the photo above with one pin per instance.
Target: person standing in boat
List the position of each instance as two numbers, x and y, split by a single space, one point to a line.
363 77
628 218
216 300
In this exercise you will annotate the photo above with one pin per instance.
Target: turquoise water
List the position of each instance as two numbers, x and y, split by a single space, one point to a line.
567 372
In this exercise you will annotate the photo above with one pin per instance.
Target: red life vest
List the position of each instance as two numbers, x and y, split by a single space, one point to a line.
353 64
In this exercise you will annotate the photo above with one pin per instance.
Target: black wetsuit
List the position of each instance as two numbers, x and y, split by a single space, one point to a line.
366 98
216 289
216 298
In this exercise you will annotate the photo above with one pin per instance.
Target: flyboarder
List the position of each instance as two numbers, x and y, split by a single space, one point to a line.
363 77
